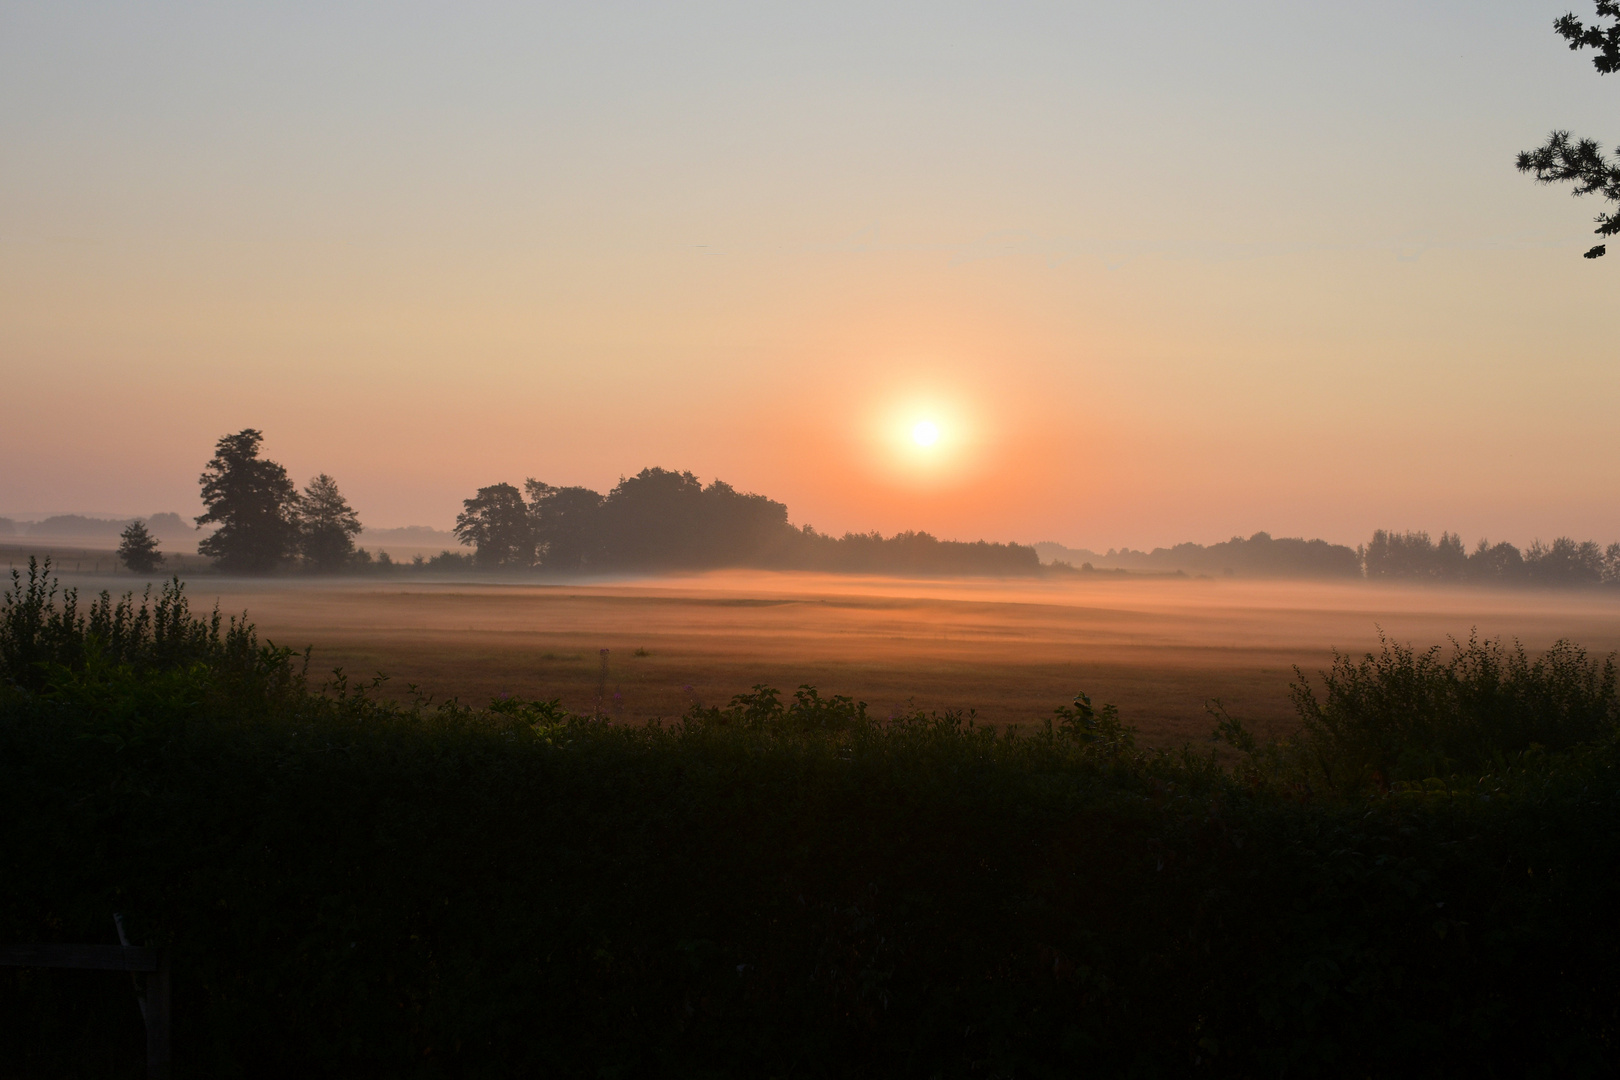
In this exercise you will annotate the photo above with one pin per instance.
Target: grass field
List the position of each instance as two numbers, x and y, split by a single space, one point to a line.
1159 648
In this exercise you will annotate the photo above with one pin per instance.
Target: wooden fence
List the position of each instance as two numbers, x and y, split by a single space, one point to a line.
153 997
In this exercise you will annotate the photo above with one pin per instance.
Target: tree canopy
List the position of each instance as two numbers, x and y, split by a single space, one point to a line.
1582 162
253 503
327 525
495 522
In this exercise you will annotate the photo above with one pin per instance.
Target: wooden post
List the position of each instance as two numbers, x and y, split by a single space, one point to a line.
157 1019
155 1003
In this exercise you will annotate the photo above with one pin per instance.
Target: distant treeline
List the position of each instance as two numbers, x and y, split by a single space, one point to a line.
1412 556
1261 555
1388 556
664 520
659 520
78 525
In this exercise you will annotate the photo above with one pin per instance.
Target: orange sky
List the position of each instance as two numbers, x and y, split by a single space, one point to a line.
1221 272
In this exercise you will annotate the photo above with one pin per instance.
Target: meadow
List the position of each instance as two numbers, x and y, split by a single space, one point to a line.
1011 650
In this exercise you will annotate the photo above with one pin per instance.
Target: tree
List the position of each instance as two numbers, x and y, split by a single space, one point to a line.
496 523
327 525
1582 162
139 548
565 524
253 503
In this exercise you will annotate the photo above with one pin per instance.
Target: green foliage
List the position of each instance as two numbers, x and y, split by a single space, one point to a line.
1104 730
1402 716
764 710
46 637
786 885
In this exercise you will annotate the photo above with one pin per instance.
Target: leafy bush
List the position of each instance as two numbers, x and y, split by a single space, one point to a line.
1400 715
44 633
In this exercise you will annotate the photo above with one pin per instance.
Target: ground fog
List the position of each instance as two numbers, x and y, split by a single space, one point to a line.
1011 650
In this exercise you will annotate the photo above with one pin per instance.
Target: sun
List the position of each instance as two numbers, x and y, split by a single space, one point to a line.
926 433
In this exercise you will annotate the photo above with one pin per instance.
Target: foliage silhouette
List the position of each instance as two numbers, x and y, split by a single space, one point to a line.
253 503
327 526
138 548
496 523
1566 563
564 525
1581 162
660 519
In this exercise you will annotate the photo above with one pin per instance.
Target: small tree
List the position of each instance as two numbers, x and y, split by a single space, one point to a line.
253 503
327 526
496 523
1581 161
139 548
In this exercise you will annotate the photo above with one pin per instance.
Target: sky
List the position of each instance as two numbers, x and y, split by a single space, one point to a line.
1156 275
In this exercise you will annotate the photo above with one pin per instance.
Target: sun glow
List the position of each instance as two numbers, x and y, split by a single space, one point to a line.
926 433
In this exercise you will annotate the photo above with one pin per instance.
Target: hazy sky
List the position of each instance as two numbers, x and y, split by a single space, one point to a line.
1157 273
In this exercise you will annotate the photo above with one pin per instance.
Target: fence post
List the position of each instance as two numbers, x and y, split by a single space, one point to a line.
157 1019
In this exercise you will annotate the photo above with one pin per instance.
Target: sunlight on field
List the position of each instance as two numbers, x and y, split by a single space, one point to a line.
1010 650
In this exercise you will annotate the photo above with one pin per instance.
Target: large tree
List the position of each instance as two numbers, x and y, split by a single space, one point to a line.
1581 162
253 503
327 525
496 523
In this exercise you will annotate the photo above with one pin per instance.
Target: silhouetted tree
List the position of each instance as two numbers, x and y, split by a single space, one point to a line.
138 548
660 518
565 524
253 503
1611 564
652 519
1566 563
496 523
327 525
1501 563
1401 555
1582 162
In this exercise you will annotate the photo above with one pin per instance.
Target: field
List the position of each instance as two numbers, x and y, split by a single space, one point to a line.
1012 650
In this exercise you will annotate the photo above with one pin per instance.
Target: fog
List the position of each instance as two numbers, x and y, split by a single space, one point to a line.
1010 649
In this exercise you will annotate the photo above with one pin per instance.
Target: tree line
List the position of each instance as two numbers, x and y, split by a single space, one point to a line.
659 519
656 520
65 526
1413 556
1260 555
662 520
